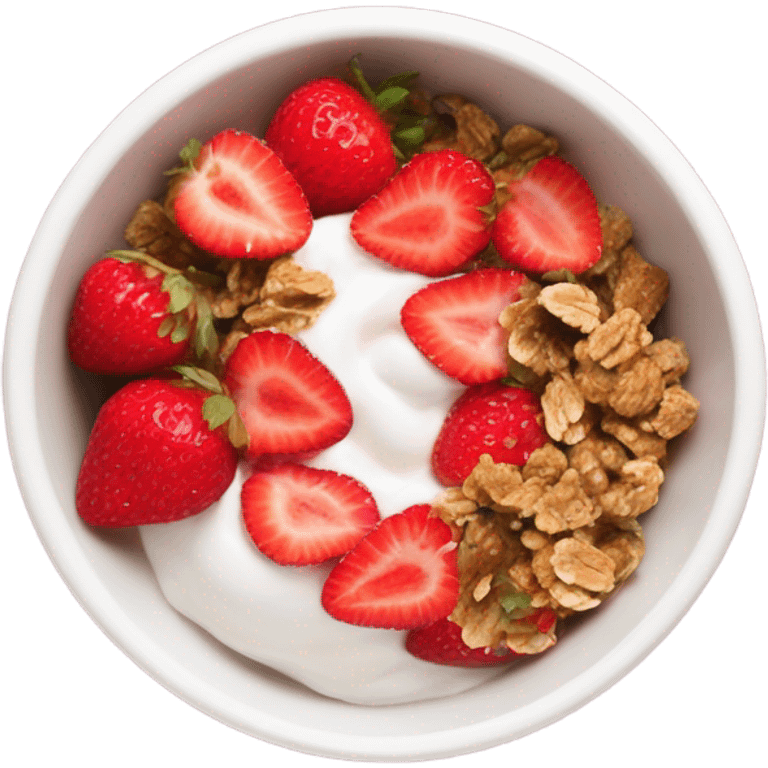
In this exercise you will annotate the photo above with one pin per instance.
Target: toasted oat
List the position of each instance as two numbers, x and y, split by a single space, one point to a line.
642 286
563 405
636 491
533 340
577 562
677 412
618 339
522 143
573 303
638 389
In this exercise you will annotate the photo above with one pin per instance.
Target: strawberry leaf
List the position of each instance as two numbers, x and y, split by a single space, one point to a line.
515 601
236 431
389 98
200 376
166 326
206 338
400 79
412 136
188 154
180 290
217 409
181 329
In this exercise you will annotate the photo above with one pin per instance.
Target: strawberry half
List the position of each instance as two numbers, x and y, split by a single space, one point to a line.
288 400
239 201
298 515
152 457
427 219
403 574
441 643
551 221
504 422
454 323
334 142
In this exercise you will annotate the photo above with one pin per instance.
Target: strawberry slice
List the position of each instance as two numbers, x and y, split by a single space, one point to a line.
441 643
239 201
288 400
426 219
402 575
454 323
298 515
550 222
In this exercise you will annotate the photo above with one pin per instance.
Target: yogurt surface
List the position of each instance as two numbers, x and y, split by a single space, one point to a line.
210 570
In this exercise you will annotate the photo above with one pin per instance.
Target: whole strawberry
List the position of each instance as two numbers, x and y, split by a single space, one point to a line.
152 457
335 144
441 643
502 421
116 321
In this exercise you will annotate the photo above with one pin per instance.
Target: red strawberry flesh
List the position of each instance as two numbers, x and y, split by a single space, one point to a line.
403 574
241 201
454 323
427 218
298 515
288 400
551 222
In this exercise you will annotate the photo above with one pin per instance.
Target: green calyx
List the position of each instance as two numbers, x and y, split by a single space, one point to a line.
188 154
394 100
183 292
219 408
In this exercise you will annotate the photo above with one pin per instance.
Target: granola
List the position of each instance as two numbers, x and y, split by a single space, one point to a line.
561 533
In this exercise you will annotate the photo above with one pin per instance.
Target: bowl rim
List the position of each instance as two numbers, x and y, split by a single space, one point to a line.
330 25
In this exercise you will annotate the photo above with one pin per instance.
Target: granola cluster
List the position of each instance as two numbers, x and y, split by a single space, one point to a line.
243 294
561 533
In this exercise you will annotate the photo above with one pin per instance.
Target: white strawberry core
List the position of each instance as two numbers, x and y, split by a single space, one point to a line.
210 570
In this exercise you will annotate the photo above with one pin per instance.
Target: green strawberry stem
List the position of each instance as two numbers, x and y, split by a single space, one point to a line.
391 99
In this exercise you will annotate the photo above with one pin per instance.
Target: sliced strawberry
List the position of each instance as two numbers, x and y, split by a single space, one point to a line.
288 400
504 422
239 200
426 219
454 323
403 574
298 515
551 221
441 643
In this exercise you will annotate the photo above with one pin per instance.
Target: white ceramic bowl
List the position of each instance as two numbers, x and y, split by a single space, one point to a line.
627 161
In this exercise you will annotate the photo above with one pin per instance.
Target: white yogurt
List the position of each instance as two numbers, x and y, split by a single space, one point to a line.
210 570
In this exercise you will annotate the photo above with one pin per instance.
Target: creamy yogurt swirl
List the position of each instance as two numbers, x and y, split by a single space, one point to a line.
210 570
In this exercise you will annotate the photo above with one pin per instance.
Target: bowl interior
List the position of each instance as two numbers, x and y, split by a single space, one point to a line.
627 162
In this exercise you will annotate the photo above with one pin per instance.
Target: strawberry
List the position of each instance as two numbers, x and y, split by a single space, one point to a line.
403 574
492 418
427 219
334 142
441 643
116 319
454 323
237 200
152 457
288 400
550 222
298 515
134 315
